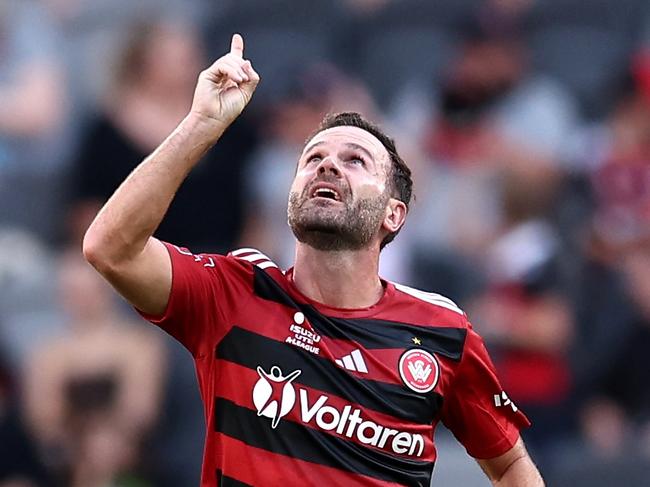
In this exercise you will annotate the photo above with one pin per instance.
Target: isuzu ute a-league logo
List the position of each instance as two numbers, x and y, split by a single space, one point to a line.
301 336
419 370
273 394
274 397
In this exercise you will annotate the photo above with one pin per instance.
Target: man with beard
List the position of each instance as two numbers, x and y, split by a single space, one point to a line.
374 365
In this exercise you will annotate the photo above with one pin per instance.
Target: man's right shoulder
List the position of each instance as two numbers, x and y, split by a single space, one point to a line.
238 261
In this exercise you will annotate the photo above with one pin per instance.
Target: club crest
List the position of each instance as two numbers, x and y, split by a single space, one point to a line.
419 370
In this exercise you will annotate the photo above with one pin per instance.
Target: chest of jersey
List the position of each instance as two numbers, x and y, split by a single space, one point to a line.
294 389
360 382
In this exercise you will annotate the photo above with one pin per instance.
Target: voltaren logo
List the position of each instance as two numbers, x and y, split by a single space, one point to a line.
274 397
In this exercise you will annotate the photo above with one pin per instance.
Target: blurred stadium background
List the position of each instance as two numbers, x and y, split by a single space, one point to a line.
526 123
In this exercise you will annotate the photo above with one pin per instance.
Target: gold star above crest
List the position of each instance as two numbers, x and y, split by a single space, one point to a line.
416 340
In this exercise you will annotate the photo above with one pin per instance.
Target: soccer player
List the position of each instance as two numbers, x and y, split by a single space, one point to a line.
323 374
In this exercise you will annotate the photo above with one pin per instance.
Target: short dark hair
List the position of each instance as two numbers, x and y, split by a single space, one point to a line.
401 184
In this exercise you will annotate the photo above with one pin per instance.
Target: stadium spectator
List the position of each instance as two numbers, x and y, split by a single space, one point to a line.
20 465
92 34
617 154
149 96
32 119
93 395
492 115
524 314
618 413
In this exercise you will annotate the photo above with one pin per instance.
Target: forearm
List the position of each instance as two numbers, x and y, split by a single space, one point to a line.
521 473
514 468
123 226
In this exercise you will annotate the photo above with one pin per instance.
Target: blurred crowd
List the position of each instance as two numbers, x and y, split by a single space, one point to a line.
526 124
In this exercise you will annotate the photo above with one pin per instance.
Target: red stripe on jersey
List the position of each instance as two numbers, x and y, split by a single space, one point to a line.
260 467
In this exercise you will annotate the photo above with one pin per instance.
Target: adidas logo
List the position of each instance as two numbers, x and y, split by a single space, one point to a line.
354 361
504 400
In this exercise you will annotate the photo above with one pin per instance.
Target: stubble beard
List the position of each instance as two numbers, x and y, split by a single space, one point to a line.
332 228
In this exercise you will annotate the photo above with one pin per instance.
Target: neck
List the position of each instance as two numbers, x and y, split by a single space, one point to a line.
341 279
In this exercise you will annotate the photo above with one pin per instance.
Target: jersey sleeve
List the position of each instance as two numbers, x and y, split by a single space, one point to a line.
205 289
477 410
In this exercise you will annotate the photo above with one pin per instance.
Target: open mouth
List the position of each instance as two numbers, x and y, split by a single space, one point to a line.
326 192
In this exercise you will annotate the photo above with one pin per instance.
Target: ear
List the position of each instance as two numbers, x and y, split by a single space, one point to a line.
395 215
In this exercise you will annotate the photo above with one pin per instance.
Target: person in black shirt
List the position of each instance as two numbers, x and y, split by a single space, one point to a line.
149 97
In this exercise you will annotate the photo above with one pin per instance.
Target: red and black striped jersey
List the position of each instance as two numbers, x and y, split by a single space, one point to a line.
300 393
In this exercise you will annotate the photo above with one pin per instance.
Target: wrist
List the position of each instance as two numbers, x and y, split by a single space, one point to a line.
205 125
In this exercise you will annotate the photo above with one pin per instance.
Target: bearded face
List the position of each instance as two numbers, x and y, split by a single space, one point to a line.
340 194
326 216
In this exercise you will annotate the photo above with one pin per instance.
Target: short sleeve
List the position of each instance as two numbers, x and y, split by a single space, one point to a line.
205 290
477 410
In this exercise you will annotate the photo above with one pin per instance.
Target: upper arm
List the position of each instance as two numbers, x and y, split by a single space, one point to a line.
190 296
145 280
514 468
476 410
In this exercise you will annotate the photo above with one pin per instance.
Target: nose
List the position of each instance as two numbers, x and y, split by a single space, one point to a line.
328 165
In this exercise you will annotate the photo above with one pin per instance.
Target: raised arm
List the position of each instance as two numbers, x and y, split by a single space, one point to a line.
119 242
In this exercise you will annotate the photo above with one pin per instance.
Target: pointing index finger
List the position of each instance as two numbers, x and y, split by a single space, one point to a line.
237 45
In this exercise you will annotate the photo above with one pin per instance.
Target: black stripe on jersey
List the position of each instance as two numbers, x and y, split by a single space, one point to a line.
265 287
304 443
372 334
225 481
369 333
249 349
